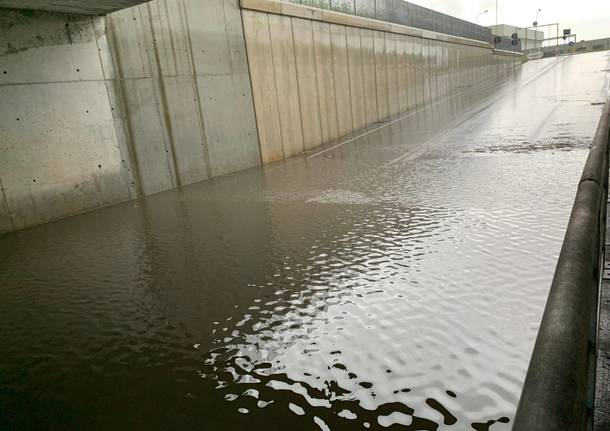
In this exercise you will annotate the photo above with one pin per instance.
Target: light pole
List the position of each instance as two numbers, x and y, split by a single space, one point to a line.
479 15
496 37
536 29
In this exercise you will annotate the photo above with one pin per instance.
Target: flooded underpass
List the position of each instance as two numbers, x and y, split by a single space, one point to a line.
394 280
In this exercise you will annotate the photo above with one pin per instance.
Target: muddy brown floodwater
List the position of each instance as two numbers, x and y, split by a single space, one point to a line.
396 281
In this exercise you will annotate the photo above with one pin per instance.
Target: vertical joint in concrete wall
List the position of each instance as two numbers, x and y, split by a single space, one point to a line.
128 151
4 207
294 63
163 106
275 85
317 87
200 116
128 165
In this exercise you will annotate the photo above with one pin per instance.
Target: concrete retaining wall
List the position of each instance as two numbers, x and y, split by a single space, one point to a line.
99 110
319 75
94 111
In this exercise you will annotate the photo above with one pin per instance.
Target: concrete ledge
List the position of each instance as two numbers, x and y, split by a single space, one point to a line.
509 53
324 15
82 7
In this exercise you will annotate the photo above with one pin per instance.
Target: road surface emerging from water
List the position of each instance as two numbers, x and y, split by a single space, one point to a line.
396 280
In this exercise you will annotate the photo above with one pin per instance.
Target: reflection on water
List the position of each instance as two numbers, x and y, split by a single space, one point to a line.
346 334
395 282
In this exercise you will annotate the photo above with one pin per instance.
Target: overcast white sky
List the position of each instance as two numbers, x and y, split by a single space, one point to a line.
589 19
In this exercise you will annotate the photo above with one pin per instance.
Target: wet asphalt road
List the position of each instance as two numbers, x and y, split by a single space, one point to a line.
395 280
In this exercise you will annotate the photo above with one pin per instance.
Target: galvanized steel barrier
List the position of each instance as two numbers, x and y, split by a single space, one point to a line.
559 389
405 13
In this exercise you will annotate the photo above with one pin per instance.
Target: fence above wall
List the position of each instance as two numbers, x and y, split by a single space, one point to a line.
404 13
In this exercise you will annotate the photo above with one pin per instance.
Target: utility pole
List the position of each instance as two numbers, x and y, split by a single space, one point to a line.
496 38
536 29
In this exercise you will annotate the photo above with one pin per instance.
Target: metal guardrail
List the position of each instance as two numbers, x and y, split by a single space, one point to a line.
559 389
405 13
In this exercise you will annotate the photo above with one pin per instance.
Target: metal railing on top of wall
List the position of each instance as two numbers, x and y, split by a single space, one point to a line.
405 13
559 389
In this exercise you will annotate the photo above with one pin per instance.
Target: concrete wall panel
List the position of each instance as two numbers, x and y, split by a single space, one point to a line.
423 70
117 104
403 88
154 160
356 78
440 84
342 79
443 70
325 78
258 42
133 44
168 28
230 129
446 49
186 133
450 54
381 76
455 53
224 88
411 82
59 152
307 82
369 76
439 71
209 37
138 60
392 70
6 222
432 61
460 67
284 65
73 40
477 76
235 35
